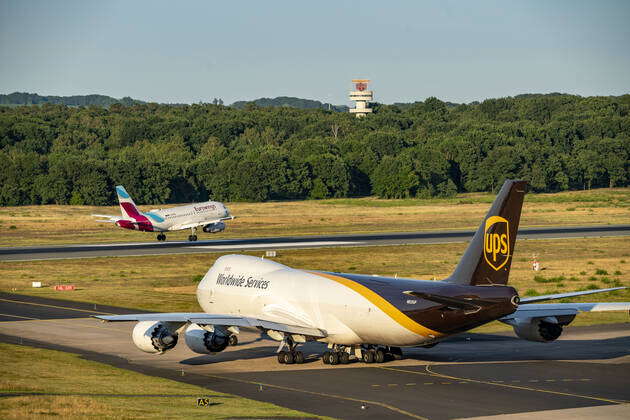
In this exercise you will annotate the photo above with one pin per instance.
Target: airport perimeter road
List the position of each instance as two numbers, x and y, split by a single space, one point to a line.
282 242
467 376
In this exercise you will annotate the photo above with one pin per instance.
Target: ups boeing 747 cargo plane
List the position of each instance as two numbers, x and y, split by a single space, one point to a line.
211 215
360 316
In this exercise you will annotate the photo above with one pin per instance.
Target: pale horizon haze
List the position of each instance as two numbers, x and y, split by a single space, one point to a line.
192 51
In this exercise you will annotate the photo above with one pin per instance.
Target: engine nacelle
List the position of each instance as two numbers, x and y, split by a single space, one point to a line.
206 342
214 227
538 329
154 337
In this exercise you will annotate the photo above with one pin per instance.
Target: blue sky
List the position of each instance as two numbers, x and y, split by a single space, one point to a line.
190 51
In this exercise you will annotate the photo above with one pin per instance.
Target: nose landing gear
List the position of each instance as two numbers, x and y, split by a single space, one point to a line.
161 237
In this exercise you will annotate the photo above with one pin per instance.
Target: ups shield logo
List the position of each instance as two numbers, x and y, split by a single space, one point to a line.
496 249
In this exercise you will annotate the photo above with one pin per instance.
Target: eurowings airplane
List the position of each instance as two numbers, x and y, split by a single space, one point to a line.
211 215
365 317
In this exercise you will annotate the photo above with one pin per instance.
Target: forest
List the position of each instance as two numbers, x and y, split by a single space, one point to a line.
170 154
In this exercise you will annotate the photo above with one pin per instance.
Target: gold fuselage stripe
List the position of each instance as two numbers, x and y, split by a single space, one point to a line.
389 309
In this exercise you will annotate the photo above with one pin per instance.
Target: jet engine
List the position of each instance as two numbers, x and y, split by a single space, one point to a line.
214 227
542 330
206 342
154 337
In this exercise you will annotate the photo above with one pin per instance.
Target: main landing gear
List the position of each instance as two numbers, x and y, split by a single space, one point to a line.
339 354
292 355
193 236
161 237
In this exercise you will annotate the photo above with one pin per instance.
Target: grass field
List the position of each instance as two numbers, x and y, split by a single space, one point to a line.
567 265
50 224
79 388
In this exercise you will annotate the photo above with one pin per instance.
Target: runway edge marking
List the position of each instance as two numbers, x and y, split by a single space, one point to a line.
55 306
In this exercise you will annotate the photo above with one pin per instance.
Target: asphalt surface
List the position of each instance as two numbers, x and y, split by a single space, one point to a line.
282 242
468 375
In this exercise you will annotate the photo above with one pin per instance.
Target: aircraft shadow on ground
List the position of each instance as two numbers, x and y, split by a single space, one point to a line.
312 352
495 348
465 348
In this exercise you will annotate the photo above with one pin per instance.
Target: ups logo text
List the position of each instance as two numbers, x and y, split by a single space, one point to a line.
496 248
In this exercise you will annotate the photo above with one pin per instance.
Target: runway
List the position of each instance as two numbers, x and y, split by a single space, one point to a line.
466 376
282 242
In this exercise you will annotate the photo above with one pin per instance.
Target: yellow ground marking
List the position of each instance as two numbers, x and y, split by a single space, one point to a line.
60 321
55 306
323 394
566 394
383 305
17 316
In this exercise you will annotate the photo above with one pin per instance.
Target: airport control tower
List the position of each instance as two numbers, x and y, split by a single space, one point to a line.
362 97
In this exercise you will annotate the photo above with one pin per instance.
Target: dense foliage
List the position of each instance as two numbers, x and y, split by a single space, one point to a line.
163 153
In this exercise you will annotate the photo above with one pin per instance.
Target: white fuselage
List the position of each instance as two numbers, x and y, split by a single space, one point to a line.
177 218
258 288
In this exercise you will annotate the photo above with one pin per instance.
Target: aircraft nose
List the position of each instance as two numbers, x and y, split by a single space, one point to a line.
226 212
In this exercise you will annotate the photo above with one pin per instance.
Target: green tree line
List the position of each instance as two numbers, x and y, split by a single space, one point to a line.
164 153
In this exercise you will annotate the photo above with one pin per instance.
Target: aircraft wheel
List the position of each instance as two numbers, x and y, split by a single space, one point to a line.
368 356
333 358
396 353
288 358
299 357
325 357
194 238
379 356
344 358
281 357
233 340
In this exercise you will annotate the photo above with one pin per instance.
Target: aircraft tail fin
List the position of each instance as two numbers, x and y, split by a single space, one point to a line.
488 257
127 206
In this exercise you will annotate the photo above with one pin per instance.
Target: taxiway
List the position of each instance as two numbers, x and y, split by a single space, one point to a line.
466 376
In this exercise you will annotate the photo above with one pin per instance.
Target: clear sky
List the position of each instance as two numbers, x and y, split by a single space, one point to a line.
190 51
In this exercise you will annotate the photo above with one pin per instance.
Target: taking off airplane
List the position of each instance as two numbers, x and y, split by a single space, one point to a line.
365 317
211 215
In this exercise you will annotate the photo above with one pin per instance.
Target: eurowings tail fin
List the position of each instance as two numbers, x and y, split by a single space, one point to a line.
488 258
127 206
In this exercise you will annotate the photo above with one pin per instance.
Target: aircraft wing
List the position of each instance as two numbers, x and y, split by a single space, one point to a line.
202 318
186 225
527 309
543 310
109 218
566 295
